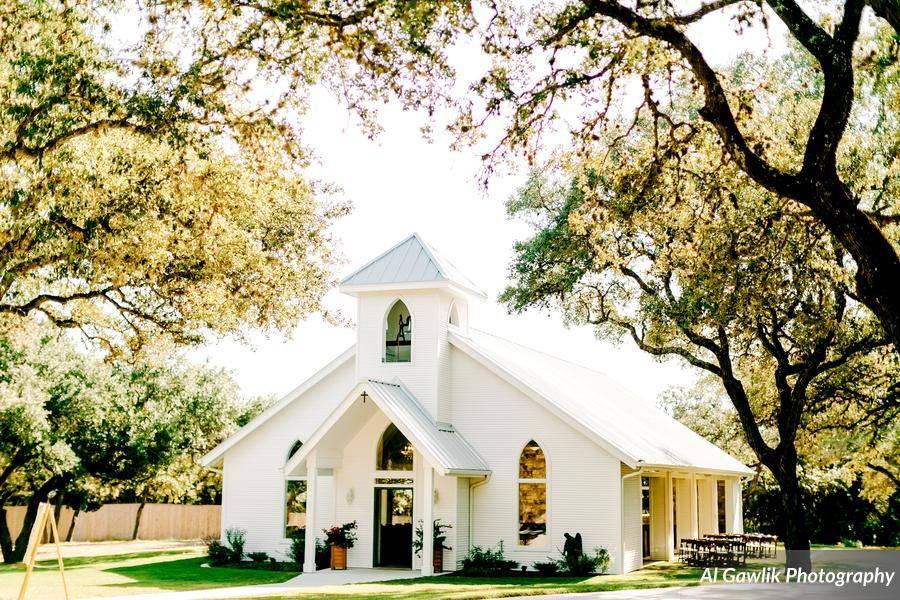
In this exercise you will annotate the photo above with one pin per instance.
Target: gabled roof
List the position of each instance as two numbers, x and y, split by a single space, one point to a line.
634 431
214 457
409 264
443 447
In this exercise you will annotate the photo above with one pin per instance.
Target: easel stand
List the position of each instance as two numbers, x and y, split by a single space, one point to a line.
44 515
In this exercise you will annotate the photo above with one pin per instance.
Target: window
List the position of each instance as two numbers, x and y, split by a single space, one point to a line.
295 507
454 315
395 453
398 334
294 448
532 496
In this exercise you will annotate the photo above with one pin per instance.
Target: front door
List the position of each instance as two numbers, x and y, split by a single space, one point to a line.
393 527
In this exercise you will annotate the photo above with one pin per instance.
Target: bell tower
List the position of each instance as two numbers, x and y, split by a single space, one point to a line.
408 298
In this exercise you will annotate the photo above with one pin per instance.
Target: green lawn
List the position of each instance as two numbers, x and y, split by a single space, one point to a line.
447 587
166 571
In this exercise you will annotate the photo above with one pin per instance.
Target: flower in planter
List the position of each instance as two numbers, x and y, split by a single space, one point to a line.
343 536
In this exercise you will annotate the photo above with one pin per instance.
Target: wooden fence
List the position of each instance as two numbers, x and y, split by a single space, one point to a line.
117 521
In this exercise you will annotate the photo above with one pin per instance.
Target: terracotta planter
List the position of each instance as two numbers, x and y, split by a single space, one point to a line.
338 558
437 560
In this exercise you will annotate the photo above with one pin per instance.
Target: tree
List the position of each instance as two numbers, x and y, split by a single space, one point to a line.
141 200
698 261
598 57
81 427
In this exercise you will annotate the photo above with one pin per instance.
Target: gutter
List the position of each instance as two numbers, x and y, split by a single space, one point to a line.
472 487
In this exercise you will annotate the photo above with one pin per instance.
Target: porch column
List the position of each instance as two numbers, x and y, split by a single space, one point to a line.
734 519
670 517
694 507
309 542
428 521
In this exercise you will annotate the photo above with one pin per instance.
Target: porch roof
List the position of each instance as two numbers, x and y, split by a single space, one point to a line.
442 445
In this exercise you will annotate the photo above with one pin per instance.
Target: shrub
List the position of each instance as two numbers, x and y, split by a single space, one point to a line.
218 553
546 569
343 536
298 550
236 539
598 562
487 562
258 557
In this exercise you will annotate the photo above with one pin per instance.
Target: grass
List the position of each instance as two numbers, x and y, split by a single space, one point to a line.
164 571
456 587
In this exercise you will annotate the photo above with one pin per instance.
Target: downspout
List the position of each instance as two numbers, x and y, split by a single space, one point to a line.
622 516
472 487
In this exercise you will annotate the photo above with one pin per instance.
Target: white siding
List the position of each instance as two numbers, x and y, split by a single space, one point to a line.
253 482
584 483
631 525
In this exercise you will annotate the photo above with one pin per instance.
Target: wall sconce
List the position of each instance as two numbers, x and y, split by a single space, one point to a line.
436 496
349 497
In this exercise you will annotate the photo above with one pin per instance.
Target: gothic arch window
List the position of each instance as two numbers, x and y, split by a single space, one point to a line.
532 496
453 319
398 329
294 448
395 453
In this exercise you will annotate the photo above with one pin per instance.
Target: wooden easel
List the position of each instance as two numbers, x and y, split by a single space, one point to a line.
44 515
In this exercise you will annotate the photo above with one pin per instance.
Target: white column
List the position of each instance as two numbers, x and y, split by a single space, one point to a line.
734 521
309 548
670 517
428 521
694 507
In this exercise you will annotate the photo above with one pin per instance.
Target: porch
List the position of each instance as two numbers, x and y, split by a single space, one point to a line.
392 468
680 504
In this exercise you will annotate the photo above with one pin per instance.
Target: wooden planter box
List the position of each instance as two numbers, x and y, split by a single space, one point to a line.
437 560
338 558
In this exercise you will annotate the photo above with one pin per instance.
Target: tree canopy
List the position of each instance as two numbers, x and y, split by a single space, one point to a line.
73 424
141 197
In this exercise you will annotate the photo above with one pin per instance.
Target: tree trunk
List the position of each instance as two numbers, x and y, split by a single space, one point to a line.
14 552
877 262
796 533
72 525
137 520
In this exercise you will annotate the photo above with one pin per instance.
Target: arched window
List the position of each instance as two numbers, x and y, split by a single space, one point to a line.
294 448
294 500
398 334
532 496
454 315
395 453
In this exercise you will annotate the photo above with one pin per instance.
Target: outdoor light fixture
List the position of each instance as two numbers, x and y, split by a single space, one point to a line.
349 497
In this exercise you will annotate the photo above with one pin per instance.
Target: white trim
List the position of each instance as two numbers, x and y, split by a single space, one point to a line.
461 343
212 457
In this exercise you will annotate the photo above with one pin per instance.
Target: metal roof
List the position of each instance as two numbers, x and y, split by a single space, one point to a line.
447 449
636 431
409 262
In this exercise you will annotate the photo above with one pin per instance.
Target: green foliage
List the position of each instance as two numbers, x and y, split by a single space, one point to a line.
93 430
487 562
585 564
258 557
440 536
297 551
236 539
219 554
546 568
342 536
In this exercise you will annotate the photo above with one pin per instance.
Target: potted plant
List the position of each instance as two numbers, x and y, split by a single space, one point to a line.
440 536
339 538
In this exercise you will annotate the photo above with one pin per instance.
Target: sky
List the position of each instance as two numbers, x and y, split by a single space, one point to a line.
400 183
